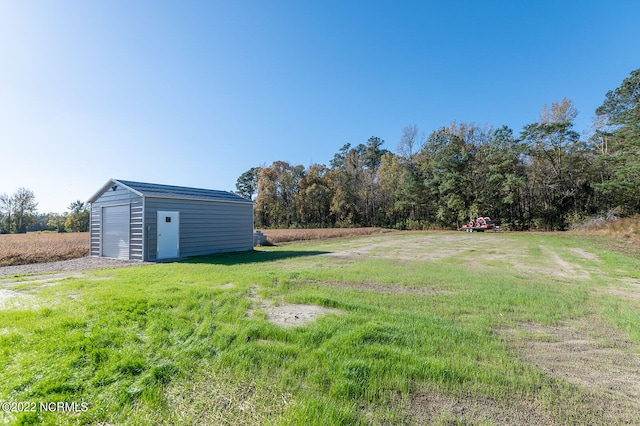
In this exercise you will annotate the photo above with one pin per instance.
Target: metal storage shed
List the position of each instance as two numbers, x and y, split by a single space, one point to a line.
149 222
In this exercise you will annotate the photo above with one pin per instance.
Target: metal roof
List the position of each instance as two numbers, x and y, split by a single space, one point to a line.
169 191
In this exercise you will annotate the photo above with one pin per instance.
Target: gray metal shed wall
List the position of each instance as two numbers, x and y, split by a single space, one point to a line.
118 197
205 226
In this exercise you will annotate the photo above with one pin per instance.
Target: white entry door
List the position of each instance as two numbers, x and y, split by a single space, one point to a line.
168 235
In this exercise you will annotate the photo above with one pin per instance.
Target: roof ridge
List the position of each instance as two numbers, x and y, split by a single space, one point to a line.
125 181
147 189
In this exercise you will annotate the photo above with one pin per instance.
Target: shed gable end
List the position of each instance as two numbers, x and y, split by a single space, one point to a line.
110 195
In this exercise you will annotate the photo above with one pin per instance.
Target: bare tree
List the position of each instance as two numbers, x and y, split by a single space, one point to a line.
559 112
410 142
6 208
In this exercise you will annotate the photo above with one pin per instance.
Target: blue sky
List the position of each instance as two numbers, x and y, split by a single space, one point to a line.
194 93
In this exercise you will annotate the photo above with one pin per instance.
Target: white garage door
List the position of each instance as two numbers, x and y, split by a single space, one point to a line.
115 232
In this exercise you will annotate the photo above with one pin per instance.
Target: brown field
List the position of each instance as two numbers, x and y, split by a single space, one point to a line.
22 249
275 236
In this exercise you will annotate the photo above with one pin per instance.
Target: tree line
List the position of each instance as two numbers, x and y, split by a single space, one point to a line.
547 177
19 214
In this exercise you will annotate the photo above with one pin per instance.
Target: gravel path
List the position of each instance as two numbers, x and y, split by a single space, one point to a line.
79 264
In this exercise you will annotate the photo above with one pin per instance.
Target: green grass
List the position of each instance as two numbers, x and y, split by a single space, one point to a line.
171 343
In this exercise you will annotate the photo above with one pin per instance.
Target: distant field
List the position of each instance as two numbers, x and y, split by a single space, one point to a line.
22 249
276 236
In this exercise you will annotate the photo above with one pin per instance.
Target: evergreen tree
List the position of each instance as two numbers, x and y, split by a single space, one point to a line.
619 156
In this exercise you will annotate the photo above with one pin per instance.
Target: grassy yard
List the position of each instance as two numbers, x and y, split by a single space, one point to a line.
399 328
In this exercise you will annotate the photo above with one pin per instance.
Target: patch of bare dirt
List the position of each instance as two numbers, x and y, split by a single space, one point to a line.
627 294
586 255
292 315
10 299
42 278
594 358
426 247
430 407
633 282
344 255
17 292
287 314
379 288
630 289
79 264
474 250
564 269
13 298
554 265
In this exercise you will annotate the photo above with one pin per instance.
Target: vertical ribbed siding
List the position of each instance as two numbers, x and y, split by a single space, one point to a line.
94 230
205 226
135 246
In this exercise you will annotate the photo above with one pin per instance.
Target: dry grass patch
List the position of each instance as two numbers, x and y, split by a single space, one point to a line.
434 408
223 399
591 356
586 255
22 249
421 246
378 288
621 235
275 236
42 280
627 228
630 289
